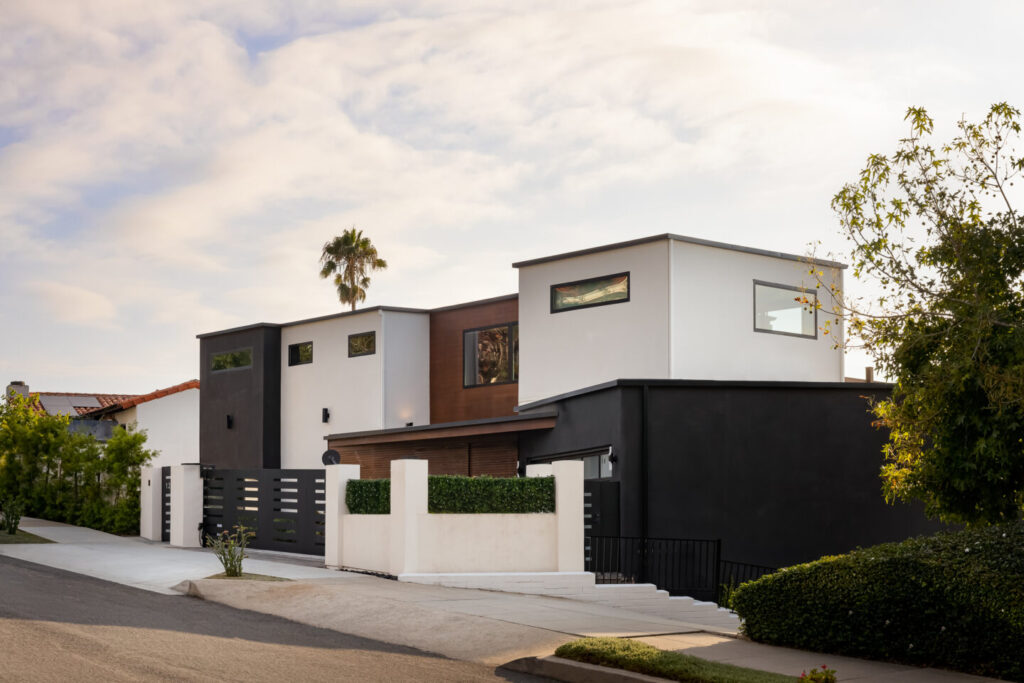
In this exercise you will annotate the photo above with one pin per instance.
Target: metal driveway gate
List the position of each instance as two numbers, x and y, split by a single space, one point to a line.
165 504
285 508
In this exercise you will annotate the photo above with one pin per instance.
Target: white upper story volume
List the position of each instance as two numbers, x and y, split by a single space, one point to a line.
674 307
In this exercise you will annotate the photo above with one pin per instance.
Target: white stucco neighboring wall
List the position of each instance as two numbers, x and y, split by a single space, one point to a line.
350 388
172 426
712 324
561 352
406 338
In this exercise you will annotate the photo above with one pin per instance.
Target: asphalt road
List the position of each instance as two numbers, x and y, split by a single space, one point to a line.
59 626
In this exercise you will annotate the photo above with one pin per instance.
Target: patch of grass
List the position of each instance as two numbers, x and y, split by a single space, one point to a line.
21 537
622 653
247 576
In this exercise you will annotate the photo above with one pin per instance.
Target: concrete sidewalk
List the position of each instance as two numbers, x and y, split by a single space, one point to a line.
482 626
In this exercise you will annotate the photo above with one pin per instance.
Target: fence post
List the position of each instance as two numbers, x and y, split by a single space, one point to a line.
186 505
717 586
569 514
408 501
150 503
336 478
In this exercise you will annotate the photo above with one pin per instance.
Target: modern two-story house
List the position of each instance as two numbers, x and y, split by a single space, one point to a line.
698 382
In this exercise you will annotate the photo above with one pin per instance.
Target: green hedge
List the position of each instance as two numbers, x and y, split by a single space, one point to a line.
454 494
953 600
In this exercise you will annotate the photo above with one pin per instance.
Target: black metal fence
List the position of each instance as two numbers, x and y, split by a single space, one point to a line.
165 504
678 565
285 508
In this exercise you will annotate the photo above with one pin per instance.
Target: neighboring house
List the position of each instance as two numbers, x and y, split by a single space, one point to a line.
169 416
704 399
75 405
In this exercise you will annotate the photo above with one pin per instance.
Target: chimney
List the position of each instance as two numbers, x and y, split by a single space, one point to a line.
17 387
869 374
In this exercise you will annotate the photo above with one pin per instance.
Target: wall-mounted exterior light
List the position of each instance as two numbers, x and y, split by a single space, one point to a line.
230 421
325 415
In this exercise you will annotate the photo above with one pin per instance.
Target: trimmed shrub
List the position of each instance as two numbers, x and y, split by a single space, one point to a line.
368 496
631 655
456 494
953 600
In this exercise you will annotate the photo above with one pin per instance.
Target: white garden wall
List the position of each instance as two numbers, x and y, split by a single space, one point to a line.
410 540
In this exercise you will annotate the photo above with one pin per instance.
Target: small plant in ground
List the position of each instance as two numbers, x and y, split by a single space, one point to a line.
230 548
10 515
822 675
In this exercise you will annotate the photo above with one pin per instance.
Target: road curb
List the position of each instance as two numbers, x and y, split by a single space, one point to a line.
575 672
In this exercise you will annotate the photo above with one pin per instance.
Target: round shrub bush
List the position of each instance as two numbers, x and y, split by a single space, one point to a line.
953 600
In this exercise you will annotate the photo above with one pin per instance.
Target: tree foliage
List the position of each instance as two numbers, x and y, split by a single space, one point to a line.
350 258
934 226
69 477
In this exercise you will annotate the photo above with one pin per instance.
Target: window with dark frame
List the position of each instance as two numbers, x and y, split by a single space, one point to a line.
595 291
785 309
490 355
231 360
301 353
362 344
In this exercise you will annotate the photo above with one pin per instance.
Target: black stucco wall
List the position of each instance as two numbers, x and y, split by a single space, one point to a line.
781 472
252 396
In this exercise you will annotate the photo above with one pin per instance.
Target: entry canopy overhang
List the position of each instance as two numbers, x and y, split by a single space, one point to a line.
446 430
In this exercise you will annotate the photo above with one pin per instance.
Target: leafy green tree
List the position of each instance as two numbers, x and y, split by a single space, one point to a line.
934 227
350 258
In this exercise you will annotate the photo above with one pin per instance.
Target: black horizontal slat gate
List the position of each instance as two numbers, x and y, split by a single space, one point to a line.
285 508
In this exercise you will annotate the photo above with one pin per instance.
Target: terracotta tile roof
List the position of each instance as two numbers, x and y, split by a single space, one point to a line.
129 401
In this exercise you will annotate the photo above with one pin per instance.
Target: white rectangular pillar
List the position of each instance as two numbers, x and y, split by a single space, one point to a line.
408 501
186 506
336 478
569 513
150 504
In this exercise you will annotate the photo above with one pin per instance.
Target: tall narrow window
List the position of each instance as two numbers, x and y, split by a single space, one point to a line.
783 309
230 360
596 291
490 355
362 344
300 354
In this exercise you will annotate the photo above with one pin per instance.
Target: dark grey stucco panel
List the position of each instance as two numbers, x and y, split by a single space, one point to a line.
782 476
251 396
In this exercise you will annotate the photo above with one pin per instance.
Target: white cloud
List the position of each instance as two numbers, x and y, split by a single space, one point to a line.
73 304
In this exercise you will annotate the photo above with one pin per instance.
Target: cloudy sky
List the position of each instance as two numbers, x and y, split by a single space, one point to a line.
172 168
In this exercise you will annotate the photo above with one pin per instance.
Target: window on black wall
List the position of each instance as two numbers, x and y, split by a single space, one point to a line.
300 354
231 360
490 355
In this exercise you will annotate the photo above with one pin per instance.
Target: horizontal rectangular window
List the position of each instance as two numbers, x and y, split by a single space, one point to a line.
597 463
362 344
783 309
230 360
490 355
596 291
300 354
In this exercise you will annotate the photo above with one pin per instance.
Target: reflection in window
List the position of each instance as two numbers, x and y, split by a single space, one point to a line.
785 310
598 291
490 355
300 354
362 344
241 358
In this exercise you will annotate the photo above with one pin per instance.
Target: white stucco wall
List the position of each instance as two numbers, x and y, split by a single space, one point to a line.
350 388
406 368
172 427
378 391
560 352
712 323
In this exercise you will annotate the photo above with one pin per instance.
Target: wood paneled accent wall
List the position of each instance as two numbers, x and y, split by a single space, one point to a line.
494 456
449 401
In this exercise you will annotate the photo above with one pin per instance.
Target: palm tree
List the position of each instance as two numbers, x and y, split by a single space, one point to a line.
350 258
